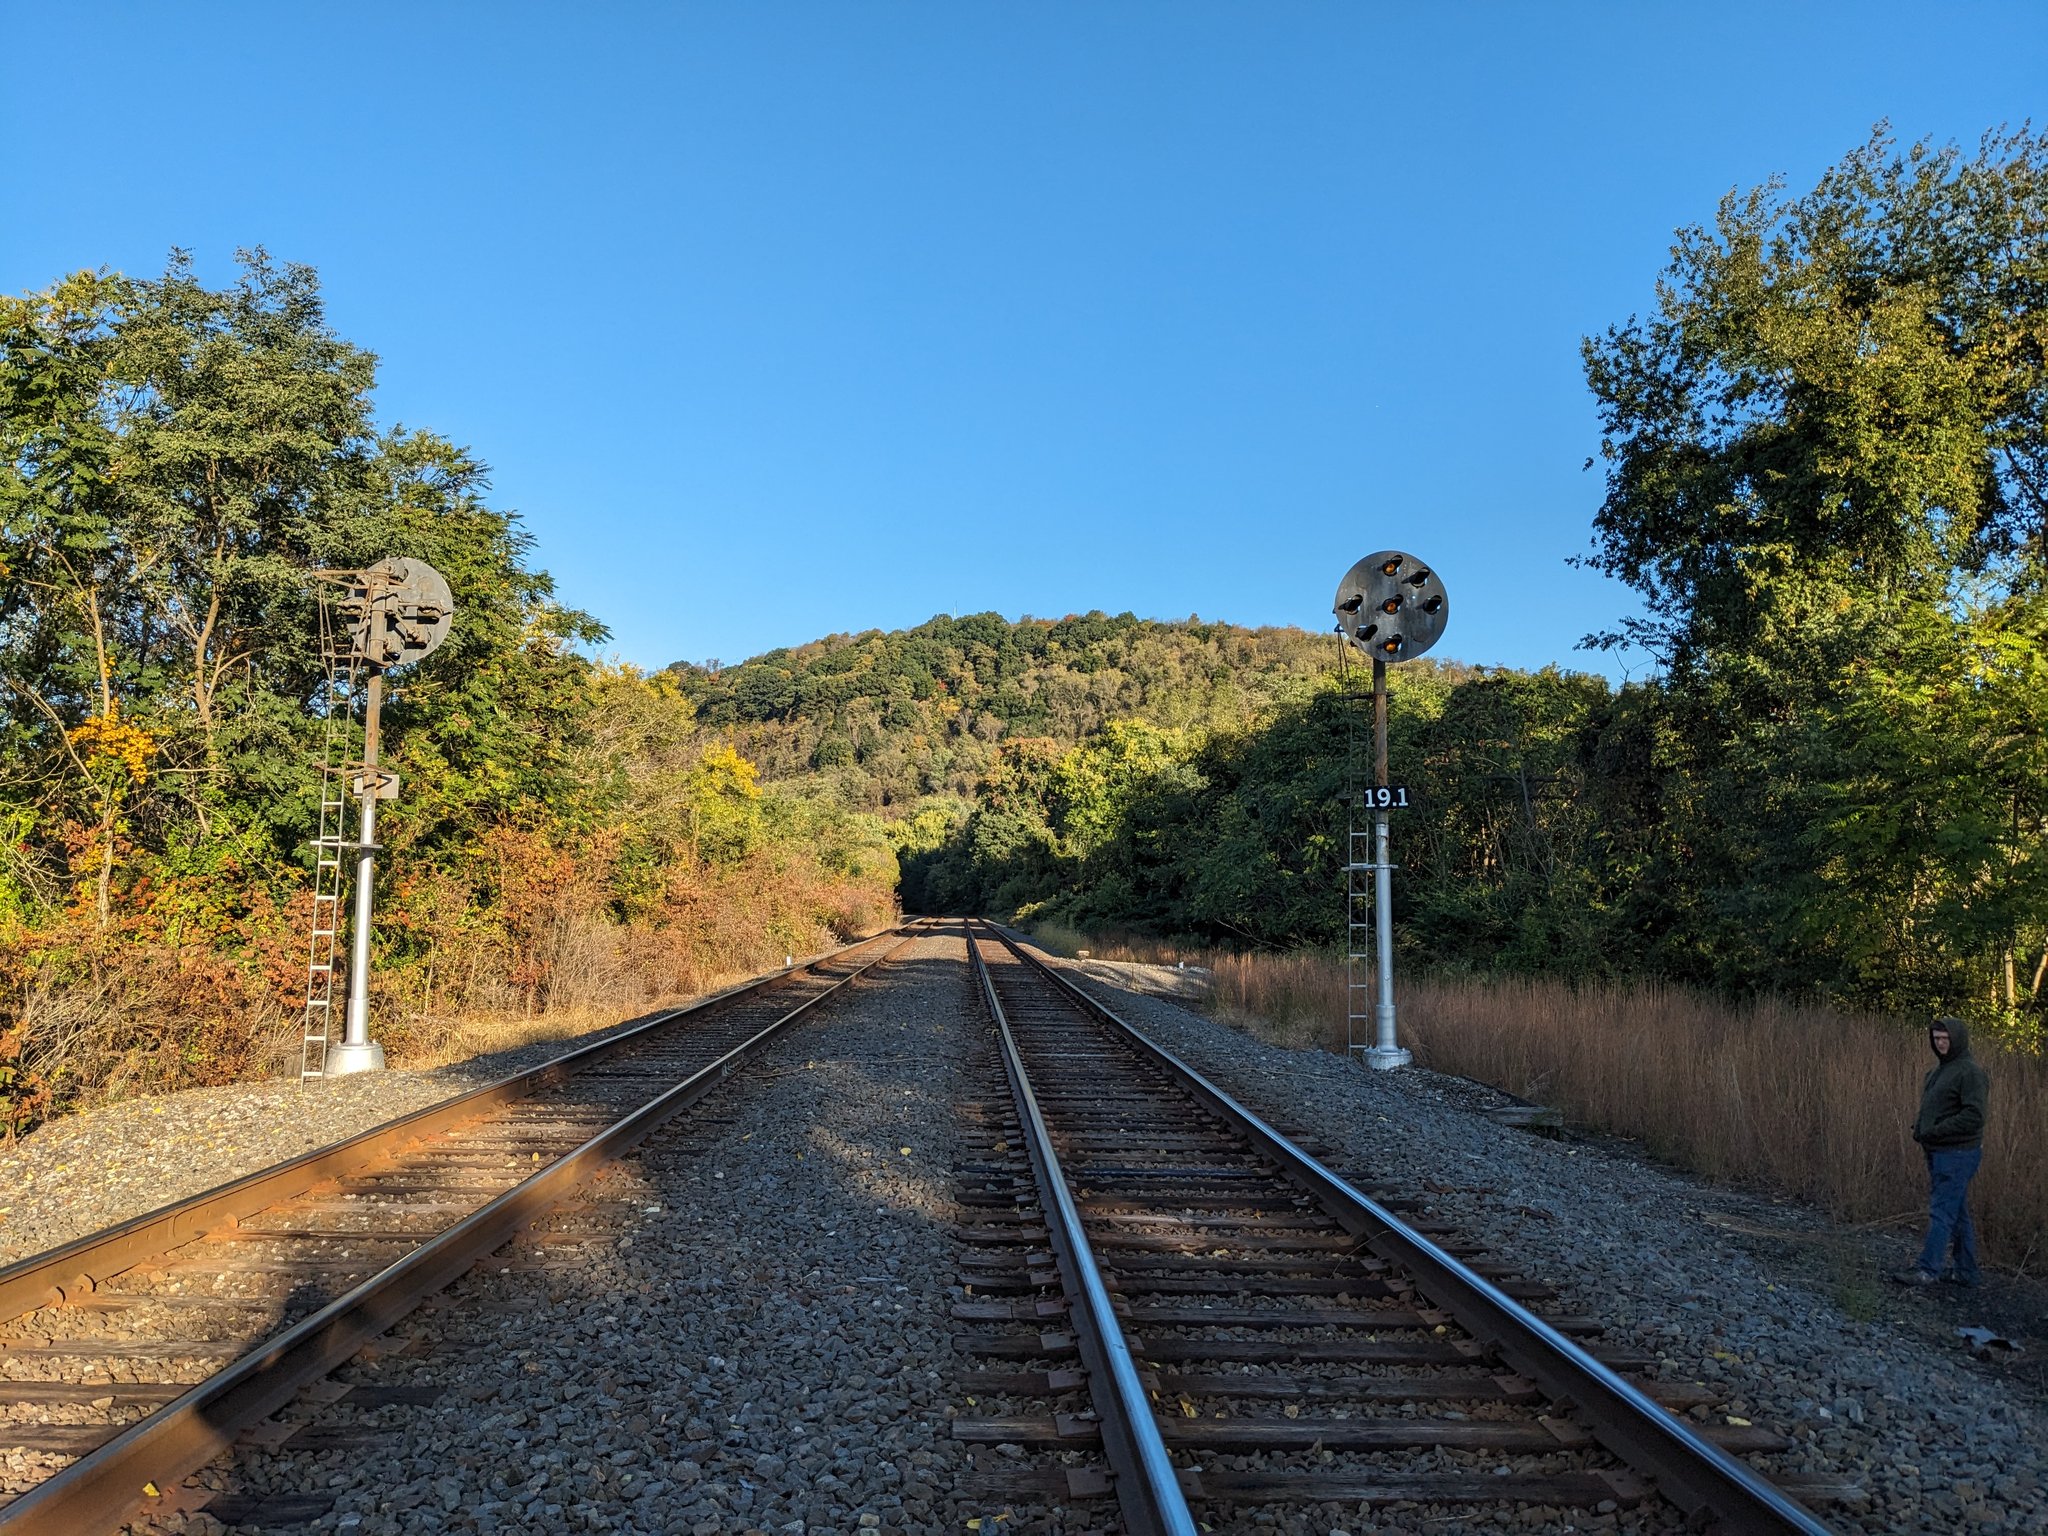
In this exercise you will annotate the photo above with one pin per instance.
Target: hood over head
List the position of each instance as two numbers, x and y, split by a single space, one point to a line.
1958 1039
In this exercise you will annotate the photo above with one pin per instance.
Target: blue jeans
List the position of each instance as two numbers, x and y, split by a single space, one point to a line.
1949 1171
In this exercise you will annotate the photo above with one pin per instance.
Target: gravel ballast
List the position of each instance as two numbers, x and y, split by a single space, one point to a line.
756 1341
91 1170
1934 1443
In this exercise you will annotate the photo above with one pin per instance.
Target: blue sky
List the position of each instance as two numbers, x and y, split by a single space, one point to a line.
782 319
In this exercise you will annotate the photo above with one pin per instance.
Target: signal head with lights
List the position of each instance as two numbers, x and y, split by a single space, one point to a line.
1392 606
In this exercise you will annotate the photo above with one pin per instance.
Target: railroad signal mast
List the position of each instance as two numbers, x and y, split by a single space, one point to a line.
392 614
1392 606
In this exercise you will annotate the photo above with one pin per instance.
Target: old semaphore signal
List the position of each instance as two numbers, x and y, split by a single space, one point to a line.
390 614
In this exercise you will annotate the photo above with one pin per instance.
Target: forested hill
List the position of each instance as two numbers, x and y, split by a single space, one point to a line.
886 719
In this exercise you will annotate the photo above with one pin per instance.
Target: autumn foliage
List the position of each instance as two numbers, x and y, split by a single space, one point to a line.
175 463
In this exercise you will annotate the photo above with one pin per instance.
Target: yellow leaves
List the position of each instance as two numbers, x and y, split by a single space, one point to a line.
726 772
108 739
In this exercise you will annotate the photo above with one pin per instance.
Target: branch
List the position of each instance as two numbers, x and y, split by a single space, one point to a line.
63 731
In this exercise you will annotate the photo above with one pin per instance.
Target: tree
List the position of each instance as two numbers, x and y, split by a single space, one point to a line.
1827 475
170 455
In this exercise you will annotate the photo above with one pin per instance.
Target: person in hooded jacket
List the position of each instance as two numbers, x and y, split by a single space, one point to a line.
1950 1130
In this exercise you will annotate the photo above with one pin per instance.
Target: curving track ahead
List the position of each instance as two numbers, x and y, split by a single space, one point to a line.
1256 1330
135 1355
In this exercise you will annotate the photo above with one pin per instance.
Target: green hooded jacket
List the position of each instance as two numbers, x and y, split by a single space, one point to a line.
1952 1099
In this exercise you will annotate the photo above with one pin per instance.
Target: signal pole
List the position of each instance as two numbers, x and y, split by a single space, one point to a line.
357 1052
1393 607
1386 1052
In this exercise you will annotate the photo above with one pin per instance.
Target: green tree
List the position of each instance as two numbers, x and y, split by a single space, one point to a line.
170 454
177 461
1828 478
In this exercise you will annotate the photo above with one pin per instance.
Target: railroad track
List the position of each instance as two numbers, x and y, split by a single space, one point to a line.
133 1356
1182 1307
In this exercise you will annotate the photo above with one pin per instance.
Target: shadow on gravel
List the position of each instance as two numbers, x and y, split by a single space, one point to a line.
743 1325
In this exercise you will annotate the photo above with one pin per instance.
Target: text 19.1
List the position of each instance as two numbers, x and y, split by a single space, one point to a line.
1387 797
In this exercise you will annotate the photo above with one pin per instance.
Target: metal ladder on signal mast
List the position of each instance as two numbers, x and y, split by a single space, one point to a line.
331 844
1361 965
1361 962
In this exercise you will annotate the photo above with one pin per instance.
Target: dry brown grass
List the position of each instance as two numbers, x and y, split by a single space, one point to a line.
88 1018
600 972
441 1041
99 1034
1817 1102
447 1041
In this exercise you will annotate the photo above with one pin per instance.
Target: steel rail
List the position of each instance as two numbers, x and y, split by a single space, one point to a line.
75 1267
1147 1486
1693 1473
104 1487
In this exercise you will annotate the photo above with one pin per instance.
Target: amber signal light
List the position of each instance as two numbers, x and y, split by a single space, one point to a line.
1401 596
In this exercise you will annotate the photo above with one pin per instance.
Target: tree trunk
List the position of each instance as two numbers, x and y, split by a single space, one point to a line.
105 896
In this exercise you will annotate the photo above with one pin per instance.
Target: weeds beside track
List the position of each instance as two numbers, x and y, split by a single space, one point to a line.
1816 1102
